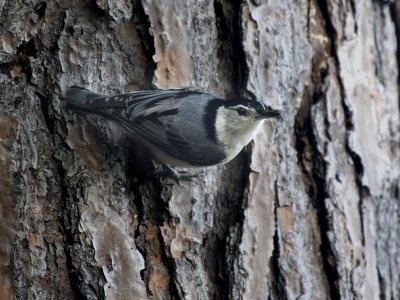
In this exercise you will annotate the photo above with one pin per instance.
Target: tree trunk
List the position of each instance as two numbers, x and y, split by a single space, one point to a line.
309 210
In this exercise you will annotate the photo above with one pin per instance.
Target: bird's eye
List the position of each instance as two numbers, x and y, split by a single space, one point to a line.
242 111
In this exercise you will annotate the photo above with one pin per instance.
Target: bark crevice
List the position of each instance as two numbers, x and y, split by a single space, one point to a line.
229 29
143 24
40 9
314 170
174 290
363 191
353 11
151 213
277 281
24 51
234 231
395 15
66 229
48 119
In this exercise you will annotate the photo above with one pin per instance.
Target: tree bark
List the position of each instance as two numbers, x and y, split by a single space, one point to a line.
308 210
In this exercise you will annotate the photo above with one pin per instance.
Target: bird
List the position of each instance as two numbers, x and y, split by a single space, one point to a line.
182 128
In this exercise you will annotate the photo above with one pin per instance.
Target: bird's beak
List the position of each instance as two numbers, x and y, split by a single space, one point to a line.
270 113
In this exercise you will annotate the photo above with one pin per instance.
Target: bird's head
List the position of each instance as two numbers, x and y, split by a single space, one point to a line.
237 121
246 111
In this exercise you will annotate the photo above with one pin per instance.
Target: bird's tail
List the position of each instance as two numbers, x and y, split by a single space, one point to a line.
81 100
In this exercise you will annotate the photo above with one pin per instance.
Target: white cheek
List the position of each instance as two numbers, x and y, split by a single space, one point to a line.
235 137
221 127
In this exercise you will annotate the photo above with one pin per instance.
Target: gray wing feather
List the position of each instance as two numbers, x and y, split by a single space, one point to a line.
149 114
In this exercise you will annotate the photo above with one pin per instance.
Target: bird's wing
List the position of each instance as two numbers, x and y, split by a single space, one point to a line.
150 115
134 99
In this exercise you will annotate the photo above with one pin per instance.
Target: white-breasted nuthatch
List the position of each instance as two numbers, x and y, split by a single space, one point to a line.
182 128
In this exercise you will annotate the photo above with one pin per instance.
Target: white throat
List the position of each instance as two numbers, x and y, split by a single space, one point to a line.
234 138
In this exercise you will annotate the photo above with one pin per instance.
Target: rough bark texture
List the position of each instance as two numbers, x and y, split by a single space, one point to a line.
309 210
